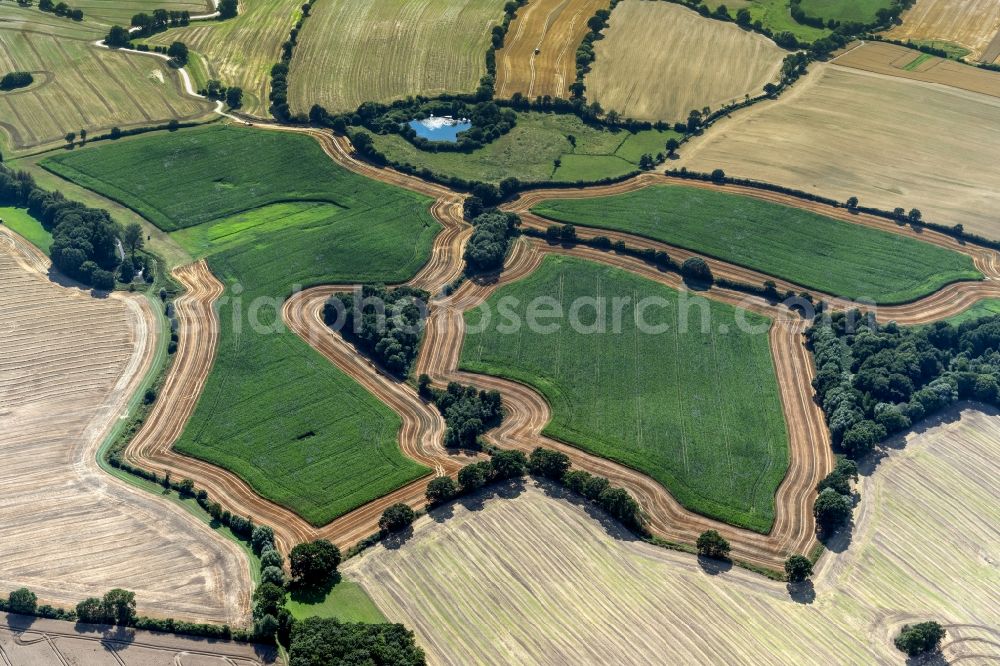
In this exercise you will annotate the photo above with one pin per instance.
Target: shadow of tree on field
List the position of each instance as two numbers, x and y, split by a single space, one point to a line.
712 566
802 593
611 525
396 540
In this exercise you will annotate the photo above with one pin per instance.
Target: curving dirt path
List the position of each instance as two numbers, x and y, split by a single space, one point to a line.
810 455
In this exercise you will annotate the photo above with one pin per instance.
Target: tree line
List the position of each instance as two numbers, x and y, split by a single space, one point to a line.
60 9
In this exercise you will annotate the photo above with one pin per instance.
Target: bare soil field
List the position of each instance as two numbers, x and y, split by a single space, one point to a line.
973 24
565 585
884 58
68 530
352 52
904 143
695 62
555 28
29 641
78 85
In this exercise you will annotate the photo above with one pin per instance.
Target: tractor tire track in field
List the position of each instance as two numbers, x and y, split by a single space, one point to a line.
421 437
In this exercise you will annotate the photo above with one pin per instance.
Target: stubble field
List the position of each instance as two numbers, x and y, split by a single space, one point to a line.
78 85
906 143
70 531
566 586
352 52
555 28
696 62
693 401
973 24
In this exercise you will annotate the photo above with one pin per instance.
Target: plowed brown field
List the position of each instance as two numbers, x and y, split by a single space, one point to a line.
544 579
70 363
555 28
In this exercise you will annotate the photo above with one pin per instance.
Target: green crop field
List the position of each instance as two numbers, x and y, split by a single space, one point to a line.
221 171
806 248
987 307
27 226
696 407
78 85
240 51
276 213
530 149
916 62
775 15
351 52
860 11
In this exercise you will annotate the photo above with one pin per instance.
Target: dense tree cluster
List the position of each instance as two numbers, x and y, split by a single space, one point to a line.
467 412
323 641
117 607
14 80
918 639
158 21
83 245
22 601
178 52
874 380
232 95
491 238
229 8
385 324
60 9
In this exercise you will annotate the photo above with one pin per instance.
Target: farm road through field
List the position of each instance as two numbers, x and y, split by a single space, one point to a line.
810 452
68 530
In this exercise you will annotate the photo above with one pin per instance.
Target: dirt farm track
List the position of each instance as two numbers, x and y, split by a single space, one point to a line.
420 437
69 366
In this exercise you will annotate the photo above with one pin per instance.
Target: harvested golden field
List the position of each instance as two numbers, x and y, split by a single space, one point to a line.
351 52
78 85
240 51
69 530
973 24
542 579
658 61
555 28
891 142
884 58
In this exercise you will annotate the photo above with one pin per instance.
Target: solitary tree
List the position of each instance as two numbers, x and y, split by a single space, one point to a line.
831 509
712 544
440 490
473 476
70 137
672 146
132 237
852 203
914 216
920 638
314 563
396 518
696 269
178 52
234 97
798 568
22 601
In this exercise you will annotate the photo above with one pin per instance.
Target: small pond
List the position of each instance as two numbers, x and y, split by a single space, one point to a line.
440 128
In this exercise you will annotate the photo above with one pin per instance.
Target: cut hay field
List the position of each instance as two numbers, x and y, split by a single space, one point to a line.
695 404
71 363
800 246
697 62
564 585
973 24
275 213
884 58
352 52
121 13
529 151
555 28
79 86
845 11
240 51
907 143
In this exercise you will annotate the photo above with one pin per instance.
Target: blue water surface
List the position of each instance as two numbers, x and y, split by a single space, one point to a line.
438 129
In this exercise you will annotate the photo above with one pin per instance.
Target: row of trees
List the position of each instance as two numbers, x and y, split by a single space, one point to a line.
279 71
83 245
384 323
60 9
158 21
322 641
874 380
231 95
467 412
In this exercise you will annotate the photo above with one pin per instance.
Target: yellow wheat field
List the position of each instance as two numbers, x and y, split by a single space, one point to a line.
658 61
973 24
537 579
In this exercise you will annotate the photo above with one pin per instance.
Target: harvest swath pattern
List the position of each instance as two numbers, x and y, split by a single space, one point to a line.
240 51
70 365
696 62
973 24
885 121
79 86
924 529
352 52
555 28
812 250
694 406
